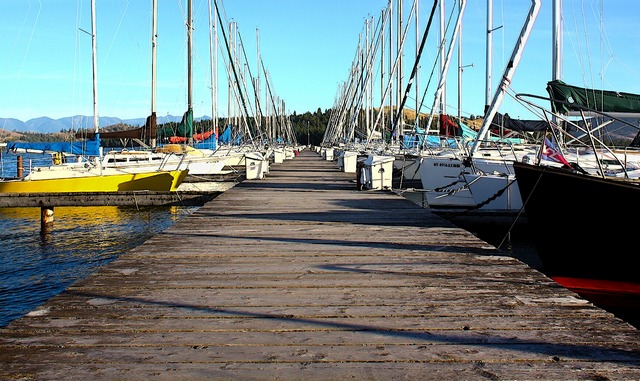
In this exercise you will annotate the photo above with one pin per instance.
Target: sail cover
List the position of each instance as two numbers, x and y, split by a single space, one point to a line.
183 129
505 121
566 98
89 147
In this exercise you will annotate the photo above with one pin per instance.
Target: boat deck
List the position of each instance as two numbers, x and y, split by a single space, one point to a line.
301 276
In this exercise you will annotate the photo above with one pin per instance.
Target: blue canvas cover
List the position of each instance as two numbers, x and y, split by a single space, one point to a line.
86 147
209 143
225 137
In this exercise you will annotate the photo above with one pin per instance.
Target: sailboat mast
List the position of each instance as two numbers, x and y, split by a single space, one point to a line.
189 58
442 100
417 78
446 61
257 81
460 69
154 35
556 48
213 55
94 62
416 66
509 71
371 128
489 56
557 40
391 72
399 124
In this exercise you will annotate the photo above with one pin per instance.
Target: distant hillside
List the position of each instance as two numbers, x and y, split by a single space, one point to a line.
46 125
9 136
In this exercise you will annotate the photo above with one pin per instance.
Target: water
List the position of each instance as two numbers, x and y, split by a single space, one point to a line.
36 265
8 162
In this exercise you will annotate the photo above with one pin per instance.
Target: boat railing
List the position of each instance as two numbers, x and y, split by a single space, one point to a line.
166 160
555 120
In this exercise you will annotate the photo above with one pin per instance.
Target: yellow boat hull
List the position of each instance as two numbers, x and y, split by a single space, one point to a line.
166 181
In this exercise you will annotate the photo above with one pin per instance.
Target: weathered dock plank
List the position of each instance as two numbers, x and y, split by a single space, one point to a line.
133 198
301 276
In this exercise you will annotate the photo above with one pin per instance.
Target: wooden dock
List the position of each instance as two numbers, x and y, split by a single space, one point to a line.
299 276
129 198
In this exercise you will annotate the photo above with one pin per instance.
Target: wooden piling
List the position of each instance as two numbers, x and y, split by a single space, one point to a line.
46 217
20 164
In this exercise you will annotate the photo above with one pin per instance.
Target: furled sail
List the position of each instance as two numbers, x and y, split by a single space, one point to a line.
147 132
566 98
506 122
90 147
183 129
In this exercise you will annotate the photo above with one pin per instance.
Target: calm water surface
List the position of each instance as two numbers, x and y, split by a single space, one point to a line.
8 162
36 265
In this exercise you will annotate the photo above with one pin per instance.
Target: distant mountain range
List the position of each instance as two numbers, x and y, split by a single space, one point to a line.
46 125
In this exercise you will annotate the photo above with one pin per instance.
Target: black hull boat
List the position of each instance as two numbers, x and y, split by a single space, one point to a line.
584 231
583 225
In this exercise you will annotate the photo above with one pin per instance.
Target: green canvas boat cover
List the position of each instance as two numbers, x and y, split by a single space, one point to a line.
183 129
566 98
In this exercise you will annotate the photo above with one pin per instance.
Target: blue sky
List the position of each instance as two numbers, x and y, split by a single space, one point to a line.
306 46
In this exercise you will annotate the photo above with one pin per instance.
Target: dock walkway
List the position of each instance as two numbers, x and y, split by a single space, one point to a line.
299 276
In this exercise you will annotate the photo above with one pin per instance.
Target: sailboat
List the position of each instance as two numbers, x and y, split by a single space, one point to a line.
86 173
180 153
581 230
70 179
479 180
579 218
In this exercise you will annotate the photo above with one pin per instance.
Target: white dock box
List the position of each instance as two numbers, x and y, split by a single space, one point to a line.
349 161
327 154
278 156
288 153
256 166
378 172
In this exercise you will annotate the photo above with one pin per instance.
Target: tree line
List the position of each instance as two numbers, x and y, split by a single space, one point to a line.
308 127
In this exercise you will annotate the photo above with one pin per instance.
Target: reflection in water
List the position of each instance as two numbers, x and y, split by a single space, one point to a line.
35 265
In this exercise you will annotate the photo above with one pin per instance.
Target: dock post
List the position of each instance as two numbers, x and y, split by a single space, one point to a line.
46 217
20 169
